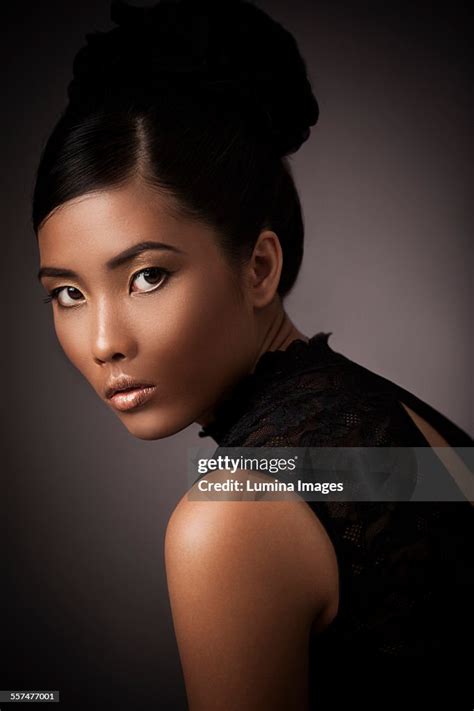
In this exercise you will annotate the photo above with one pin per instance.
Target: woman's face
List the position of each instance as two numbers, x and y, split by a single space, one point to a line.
118 311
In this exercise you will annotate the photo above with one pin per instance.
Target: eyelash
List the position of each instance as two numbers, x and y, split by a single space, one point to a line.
53 294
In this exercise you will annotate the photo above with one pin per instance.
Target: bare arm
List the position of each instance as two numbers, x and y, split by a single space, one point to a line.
246 581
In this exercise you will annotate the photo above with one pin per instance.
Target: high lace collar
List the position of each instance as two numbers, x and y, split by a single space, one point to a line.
270 365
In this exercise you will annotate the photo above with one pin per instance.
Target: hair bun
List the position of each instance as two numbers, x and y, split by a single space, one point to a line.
232 47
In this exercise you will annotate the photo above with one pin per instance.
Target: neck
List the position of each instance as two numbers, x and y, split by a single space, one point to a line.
277 335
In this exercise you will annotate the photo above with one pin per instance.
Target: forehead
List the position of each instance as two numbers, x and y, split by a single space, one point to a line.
100 224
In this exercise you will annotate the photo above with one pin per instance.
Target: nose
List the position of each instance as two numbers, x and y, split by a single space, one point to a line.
112 336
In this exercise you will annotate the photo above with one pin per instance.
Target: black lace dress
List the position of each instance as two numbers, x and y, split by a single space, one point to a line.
406 569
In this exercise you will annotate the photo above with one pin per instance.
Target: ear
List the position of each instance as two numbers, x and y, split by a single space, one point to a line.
264 269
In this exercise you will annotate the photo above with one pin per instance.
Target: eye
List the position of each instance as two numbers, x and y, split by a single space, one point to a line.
152 277
66 296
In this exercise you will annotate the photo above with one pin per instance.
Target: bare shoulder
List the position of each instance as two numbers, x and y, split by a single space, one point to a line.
247 580
284 533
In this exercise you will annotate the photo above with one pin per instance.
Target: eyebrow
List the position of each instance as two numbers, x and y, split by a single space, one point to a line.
115 262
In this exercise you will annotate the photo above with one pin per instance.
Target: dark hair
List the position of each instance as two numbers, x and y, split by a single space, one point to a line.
203 100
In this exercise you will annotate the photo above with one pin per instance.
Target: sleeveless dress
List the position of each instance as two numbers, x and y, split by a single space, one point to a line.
404 626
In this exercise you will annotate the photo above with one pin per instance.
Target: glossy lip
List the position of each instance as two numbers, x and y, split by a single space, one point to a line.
124 382
131 399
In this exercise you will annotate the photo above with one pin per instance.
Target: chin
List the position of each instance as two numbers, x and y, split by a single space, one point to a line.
151 426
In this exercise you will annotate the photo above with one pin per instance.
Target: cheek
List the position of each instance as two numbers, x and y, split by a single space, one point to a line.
72 340
201 311
211 308
198 341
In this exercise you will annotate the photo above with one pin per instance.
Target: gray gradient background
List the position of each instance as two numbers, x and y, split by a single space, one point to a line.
384 184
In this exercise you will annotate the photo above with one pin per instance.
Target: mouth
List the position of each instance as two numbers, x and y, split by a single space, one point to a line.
132 398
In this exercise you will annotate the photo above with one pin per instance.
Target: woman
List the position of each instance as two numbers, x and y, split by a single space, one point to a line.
170 232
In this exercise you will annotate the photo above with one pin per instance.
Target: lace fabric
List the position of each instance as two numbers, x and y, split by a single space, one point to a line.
405 568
